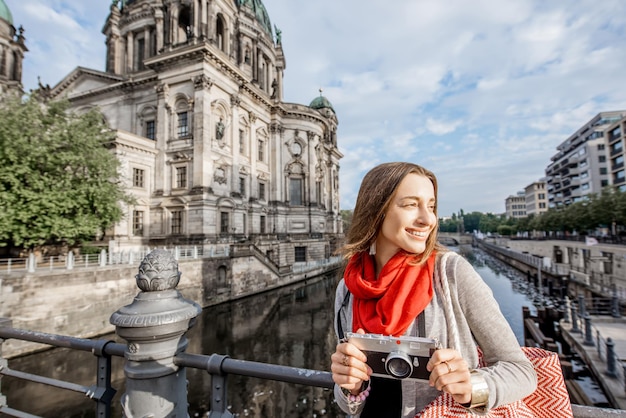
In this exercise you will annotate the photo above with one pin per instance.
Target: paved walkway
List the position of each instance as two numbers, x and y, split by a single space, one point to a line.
603 327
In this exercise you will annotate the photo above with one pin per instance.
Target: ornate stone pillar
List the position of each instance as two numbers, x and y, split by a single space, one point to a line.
154 326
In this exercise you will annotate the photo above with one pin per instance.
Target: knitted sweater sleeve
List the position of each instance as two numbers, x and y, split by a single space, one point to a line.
508 373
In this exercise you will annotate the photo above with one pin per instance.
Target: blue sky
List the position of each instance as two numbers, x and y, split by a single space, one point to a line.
481 92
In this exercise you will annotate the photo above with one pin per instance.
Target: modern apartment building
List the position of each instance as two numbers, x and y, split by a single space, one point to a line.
536 198
581 166
616 138
516 205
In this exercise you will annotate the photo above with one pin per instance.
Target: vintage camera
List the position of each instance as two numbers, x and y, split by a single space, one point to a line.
397 357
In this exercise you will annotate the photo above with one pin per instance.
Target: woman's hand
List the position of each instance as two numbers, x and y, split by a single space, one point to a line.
348 366
450 373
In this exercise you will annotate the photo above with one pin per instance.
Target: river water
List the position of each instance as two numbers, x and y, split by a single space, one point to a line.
292 326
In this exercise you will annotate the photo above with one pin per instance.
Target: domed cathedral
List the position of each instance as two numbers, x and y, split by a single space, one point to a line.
193 90
12 49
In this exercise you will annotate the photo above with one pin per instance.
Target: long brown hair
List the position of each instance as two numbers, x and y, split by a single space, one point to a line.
375 194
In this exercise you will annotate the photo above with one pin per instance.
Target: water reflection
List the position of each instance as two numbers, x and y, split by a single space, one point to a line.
291 326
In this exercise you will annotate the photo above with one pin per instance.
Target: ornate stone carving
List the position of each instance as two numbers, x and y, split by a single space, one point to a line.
235 100
158 271
202 82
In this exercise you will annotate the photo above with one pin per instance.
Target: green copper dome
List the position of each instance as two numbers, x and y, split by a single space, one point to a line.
5 13
259 11
321 102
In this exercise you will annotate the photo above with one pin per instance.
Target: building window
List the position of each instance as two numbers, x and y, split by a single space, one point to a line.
242 186
151 129
300 254
138 223
585 186
183 124
601 158
261 150
616 147
138 177
295 191
261 191
224 222
262 224
140 53
181 177
603 170
615 133
177 222
600 147
221 274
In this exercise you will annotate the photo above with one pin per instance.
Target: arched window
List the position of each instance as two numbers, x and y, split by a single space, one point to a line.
182 119
220 33
184 24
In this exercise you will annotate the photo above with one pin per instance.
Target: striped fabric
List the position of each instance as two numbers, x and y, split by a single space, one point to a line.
549 400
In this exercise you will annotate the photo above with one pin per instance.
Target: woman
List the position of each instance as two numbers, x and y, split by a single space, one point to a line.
400 281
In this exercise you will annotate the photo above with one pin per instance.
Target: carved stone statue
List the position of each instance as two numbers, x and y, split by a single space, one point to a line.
219 129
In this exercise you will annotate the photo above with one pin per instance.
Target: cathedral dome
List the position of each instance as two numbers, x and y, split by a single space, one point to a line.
321 102
259 11
5 13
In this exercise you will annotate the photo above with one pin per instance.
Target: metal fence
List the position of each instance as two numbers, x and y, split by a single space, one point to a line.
70 261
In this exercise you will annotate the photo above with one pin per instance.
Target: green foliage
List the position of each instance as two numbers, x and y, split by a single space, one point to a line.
58 183
506 230
346 218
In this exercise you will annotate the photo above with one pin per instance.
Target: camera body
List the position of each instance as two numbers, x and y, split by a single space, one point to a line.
395 357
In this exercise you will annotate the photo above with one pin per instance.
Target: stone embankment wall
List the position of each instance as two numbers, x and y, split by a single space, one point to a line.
79 303
603 264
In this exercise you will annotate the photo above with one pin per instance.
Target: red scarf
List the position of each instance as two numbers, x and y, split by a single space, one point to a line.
388 304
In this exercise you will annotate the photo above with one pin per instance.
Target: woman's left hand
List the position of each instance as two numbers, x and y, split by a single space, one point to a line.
450 373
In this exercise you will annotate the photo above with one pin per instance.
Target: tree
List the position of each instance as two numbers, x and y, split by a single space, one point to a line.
59 183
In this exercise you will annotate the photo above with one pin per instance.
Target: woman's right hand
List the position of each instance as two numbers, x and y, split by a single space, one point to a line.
349 367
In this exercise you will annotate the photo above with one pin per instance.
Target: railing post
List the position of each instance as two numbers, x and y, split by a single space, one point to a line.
69 263
611 369
154 326
588 334
575 319
581 305
31 263
615 309
103 258
566 313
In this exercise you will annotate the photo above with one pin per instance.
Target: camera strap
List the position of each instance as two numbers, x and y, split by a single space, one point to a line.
421 320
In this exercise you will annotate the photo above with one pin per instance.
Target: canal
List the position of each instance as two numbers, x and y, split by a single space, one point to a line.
292 326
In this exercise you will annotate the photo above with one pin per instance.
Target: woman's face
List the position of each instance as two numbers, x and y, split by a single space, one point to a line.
409 220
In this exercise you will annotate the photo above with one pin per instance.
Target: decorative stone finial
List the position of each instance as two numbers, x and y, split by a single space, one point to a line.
158 271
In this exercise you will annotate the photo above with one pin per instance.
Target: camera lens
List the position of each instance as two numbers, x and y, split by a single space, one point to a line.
398 365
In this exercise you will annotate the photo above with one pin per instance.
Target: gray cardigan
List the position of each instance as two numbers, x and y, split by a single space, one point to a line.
478 321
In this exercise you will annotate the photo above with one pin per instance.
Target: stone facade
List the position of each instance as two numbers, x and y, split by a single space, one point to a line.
12 49
193 92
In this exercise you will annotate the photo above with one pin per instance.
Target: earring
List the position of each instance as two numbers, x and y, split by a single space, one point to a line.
373 248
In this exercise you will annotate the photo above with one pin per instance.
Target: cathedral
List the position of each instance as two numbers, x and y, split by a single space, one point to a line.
193 92
12 49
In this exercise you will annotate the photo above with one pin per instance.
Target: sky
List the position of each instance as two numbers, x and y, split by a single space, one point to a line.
481 92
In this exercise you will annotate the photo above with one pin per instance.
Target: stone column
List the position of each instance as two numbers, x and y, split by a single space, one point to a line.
154 326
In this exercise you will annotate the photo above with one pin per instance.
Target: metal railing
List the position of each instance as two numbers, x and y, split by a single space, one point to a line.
101 392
